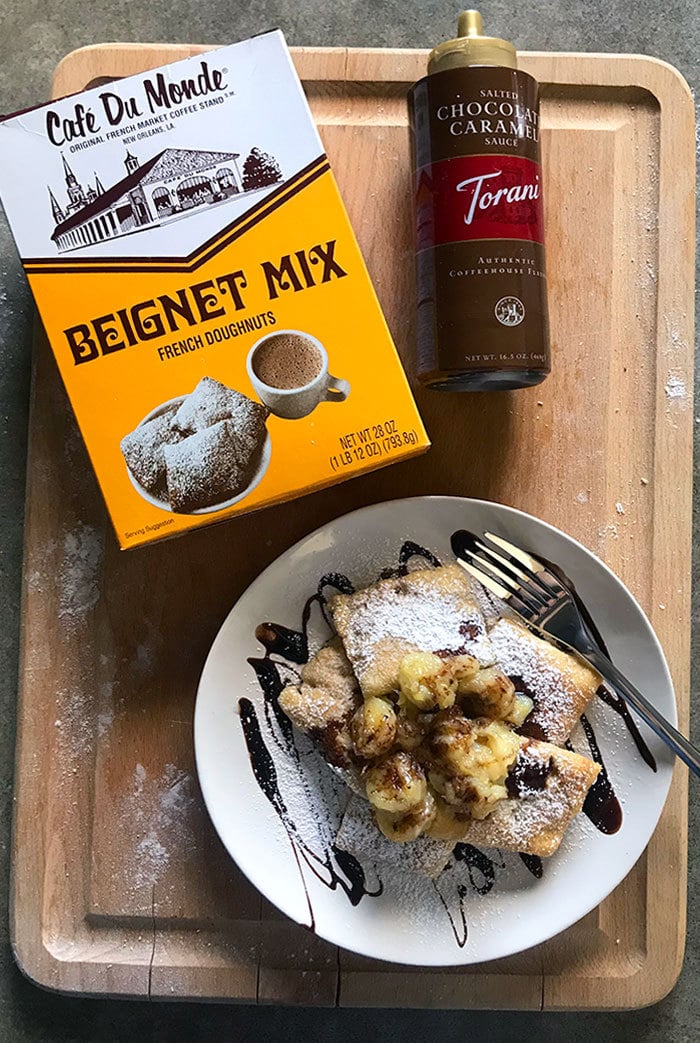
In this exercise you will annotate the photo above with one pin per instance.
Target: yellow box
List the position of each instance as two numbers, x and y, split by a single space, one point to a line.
203 291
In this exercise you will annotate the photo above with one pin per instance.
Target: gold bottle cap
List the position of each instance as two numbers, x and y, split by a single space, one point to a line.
471 47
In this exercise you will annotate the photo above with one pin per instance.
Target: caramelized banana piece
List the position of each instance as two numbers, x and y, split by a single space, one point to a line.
462 746
469 760
429 682
409 731
471 795
522 706
489 693
373 727
407 826
397 783
423 682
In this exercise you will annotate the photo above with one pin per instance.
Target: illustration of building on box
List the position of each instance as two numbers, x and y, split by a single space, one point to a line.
171 184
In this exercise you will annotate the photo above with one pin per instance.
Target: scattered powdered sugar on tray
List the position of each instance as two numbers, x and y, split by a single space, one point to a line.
145 659
106 708
649 217
675 387
74 721
157 814
84 713
35 580
83 549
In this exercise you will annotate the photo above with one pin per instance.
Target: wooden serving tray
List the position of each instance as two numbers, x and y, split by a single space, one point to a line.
120 885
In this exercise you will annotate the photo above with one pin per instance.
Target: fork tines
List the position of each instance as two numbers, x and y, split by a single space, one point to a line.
508 572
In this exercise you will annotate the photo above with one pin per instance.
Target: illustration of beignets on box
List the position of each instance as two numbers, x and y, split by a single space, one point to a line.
143 451
200 452
211 402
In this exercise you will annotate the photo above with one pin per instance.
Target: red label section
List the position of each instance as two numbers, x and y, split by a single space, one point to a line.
479 197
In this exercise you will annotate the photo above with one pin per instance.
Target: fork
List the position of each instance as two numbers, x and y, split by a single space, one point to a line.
548 605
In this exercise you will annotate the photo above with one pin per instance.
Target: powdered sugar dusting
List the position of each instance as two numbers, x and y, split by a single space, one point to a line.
329 682
83 550
558 700
158 813
84 712
106 709
212 401
675 387
429 611
311 708
74 721
204 468
143 450
360 836
515 823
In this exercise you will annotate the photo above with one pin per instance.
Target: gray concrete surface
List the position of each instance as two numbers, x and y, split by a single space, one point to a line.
34 35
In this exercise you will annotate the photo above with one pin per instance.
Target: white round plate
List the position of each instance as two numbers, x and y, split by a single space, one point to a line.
165 506
280 825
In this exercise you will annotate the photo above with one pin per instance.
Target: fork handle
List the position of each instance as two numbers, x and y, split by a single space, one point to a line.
681 746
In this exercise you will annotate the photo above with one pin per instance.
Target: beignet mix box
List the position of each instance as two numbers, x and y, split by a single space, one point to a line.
203 292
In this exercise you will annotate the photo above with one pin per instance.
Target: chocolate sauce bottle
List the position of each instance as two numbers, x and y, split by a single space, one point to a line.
482 304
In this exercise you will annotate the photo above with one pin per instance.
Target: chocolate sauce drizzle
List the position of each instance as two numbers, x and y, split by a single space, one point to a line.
601 805
293 645
409 550
321 865
334 868
266 778
482 876
527 774
481 868
617 703
533 863
460 928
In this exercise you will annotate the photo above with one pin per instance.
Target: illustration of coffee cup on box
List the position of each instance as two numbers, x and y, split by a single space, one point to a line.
289 373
